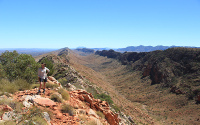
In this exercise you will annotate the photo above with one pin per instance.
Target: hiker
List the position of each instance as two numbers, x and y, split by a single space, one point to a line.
42 76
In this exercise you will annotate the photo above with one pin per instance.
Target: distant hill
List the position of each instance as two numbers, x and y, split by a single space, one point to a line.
31 51
142 48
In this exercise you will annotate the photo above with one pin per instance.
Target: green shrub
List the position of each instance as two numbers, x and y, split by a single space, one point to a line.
104 97
56 98
64 93
91 90
16 66
66 108
117 109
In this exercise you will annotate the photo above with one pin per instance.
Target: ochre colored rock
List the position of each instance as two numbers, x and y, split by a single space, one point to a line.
81 98
44 102
59 115
89 100
5 108
111 118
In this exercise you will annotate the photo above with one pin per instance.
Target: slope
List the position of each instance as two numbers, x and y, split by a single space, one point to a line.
162 82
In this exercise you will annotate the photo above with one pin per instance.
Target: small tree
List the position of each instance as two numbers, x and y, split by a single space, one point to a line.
16 66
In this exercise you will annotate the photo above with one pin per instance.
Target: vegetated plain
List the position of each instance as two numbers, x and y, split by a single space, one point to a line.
162 84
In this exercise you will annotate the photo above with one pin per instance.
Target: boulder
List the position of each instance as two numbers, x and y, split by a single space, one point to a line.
89 100
51 78
5 108
45 102
91 112
111 117
7 116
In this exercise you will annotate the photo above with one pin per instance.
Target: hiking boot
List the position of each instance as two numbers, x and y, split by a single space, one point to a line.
44 91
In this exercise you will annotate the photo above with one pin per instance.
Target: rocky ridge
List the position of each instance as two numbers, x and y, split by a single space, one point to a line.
85 107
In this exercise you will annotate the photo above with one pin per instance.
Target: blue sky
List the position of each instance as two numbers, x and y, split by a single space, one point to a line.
98 23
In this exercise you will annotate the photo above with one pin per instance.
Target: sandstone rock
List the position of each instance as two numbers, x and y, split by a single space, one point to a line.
81 98
5 108
89 100
47 117
44 102
59 115
7 116
50 82
104 103
111 117
91 112
27 104
51 78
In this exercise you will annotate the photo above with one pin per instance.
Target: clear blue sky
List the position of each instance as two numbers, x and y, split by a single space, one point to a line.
98 23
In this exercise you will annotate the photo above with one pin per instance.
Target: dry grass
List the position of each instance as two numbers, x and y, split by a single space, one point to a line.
56 98
64 93
66 108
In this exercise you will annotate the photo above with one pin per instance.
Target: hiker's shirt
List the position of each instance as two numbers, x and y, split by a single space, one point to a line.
42 73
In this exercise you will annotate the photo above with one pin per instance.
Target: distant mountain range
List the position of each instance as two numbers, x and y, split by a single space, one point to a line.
31 51
140 48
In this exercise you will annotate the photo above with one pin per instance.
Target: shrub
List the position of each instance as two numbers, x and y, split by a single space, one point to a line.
117 109
34 117
7 86
64 93
12 87
22 84
56 98
104 97
63 81
52 86
17 106
66 108
17 66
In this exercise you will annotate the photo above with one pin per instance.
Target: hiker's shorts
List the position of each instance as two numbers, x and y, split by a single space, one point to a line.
43 80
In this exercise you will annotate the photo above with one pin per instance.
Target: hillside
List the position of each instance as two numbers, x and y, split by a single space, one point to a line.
66 100
166 83
159 87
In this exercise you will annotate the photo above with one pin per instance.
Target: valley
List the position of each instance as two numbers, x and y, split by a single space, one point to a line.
158 101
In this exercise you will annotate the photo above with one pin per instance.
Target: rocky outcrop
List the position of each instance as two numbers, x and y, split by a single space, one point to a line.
52 80
97 105
83 103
